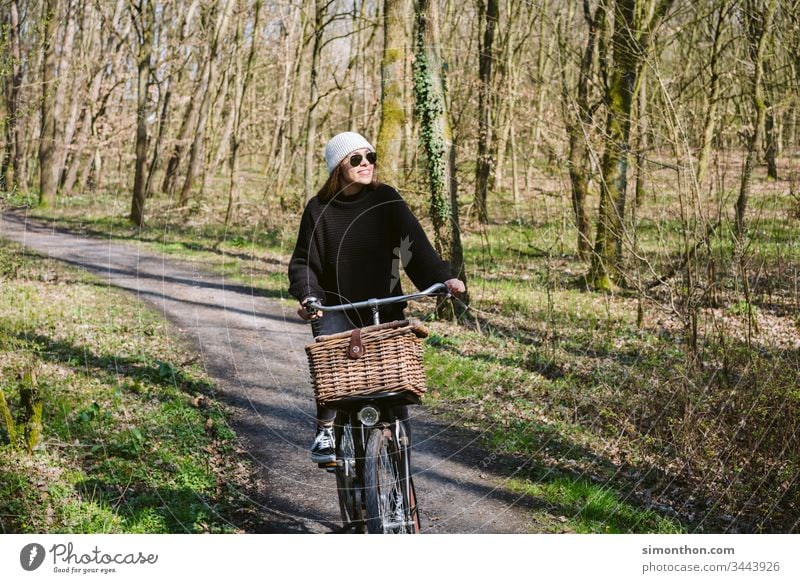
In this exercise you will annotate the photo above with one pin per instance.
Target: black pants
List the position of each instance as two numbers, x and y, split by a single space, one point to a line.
331 323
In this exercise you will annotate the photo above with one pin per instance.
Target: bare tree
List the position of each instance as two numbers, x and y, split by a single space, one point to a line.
242 84
771 125
143 16
634 23
720 14
489 14
12 164
393 118
48 173
291 35
189 119
757 17
65 91
309 172
579 119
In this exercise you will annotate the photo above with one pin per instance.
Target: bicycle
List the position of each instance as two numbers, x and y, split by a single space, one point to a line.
374 482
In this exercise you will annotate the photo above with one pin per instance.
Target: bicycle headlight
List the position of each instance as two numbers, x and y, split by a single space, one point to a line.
368 416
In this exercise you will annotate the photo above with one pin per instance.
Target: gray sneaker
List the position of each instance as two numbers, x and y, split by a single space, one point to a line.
323 449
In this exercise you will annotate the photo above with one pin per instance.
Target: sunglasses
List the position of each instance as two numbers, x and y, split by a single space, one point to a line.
355 159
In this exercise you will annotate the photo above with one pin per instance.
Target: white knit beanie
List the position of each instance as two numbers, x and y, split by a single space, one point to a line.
341 145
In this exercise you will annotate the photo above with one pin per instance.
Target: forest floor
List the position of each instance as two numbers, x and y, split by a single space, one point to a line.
673 410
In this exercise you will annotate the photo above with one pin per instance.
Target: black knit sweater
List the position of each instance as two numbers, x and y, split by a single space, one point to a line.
351 249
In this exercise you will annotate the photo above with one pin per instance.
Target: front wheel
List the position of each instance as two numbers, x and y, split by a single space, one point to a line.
391 501
347 483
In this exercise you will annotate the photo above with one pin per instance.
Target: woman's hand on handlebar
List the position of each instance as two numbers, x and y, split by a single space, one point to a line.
455 286
304 312
308 311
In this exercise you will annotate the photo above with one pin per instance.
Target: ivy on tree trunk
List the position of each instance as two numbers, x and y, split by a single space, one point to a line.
436 140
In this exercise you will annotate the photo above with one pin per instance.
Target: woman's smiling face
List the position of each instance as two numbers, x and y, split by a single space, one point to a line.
359 175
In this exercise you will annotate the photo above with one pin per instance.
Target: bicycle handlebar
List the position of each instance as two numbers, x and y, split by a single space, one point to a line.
313 304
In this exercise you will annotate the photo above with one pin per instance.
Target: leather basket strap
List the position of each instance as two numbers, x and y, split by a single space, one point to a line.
356 348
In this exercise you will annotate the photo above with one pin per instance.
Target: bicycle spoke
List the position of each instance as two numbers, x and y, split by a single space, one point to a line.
347 482
387 508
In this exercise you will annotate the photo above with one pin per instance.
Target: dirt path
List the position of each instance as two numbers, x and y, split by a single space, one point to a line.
253 348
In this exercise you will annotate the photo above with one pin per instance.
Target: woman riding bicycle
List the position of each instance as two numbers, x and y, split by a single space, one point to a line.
354 235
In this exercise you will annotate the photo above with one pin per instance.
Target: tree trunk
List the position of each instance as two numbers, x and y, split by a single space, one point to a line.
715 85
393 118
11 170
159 139
578 125
355 49
504 110
170 180
578 174
542 56
30 418
48 173
630 41
241 91
144 16
514 167
614 165
172 79
82 138
489 13
508 144
372 69
66 132
437 139
642 143
227 105
771 136
758 20
309 172
92 171
409 151
281 135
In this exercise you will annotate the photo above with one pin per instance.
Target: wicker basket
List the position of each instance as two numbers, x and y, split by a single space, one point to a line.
387 358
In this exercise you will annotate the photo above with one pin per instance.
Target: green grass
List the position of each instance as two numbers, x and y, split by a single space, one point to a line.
133 438
510 409
577 505
18 198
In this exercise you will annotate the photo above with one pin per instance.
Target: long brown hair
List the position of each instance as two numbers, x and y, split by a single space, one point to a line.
335 183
